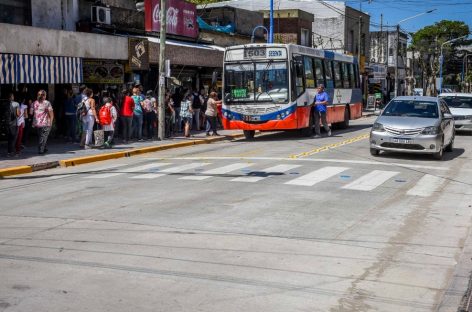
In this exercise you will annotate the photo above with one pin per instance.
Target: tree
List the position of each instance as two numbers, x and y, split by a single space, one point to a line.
428 40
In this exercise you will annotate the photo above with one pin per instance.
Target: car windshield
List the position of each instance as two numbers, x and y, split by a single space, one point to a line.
412 108
256 82
458 101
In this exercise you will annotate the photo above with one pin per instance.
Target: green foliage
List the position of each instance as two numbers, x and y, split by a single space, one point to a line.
427 42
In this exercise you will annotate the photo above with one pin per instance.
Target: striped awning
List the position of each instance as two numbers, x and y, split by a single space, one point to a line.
24 68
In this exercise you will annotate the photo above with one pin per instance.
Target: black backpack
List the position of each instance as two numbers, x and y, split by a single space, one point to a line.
13 117
81 109
197 104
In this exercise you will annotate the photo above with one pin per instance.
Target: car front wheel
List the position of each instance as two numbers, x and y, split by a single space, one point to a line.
450 147
374 152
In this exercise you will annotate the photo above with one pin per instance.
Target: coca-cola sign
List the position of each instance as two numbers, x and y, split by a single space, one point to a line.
181 17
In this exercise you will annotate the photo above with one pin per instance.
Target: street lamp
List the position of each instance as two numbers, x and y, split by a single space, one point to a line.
398 43
441 59
254 30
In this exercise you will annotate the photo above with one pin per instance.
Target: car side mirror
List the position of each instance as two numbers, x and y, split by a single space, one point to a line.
447 116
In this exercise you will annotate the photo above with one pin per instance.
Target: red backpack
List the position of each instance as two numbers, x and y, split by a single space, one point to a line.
104 115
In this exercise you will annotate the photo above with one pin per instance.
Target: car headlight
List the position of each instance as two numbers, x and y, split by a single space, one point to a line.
378 127
430 131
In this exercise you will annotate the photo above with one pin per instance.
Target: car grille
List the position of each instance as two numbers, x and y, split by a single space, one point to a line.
415 147
403 131
462 117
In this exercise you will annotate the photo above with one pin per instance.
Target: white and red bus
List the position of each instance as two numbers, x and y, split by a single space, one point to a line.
272 87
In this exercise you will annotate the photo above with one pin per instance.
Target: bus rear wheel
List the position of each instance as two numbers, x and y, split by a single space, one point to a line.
249 134
345 123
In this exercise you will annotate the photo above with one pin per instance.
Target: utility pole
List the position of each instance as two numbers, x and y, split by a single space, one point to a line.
271 26
397 50
162 75
360 41
381 39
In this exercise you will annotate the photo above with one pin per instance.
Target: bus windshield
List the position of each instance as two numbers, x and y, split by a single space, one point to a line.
265 82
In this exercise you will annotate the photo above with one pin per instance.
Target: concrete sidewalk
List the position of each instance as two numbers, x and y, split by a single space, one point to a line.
67 154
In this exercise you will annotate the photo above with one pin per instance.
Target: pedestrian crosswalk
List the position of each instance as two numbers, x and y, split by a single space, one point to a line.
348 178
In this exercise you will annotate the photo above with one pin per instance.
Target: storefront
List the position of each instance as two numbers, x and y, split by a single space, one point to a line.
25 74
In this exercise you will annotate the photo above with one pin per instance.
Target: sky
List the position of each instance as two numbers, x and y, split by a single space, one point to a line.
395 10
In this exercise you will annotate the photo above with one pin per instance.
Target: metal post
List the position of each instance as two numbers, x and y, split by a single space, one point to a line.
161 133
271 26
380 39
441 61
359 43
396 58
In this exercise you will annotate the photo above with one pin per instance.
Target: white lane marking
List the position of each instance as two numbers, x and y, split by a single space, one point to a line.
267 171
426 186
371 180
148 176
330 160
129 170
103 168
183 168
217 171
317 176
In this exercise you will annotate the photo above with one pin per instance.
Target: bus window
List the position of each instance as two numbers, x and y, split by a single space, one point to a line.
319 71
346 80
298 76
309 77
352 75
338 79
328 70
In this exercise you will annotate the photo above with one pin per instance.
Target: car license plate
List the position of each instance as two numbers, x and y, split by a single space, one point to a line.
402 141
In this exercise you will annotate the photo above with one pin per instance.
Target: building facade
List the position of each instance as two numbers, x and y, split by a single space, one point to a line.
291 26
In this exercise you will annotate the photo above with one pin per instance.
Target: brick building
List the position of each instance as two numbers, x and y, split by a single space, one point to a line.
291 26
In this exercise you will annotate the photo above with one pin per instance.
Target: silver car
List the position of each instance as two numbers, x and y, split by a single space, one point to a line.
414 124
460 105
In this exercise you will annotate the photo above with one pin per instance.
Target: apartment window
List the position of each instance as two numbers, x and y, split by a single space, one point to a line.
305 37
15 12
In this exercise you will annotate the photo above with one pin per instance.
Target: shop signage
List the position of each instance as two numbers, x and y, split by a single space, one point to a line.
138 51
99 71
379 71
181 17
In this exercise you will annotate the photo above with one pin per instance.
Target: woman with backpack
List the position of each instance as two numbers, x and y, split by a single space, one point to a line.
108 115
89 117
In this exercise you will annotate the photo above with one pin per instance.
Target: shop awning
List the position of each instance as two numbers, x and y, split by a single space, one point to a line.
24 68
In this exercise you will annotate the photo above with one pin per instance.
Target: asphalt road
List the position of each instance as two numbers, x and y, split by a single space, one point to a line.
280 223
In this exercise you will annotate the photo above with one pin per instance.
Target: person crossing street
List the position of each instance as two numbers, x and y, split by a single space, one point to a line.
321 101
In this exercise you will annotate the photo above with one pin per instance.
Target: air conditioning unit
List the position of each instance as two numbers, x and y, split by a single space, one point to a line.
101 15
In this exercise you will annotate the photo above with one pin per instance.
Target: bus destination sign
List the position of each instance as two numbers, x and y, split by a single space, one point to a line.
239 93
250 53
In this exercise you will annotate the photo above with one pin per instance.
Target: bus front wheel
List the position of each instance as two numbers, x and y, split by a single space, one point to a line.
249 134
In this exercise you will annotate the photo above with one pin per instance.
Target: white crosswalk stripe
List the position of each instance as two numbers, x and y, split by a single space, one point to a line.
171 170
128 170
317 176
217 171
426 186
97 173
371 181
279 169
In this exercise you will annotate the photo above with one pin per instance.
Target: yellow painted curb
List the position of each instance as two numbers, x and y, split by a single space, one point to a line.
138 151
15 170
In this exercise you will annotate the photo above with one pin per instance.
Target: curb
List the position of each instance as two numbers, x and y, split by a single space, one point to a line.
115 155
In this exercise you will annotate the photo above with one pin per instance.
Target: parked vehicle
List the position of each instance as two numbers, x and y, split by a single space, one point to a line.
460 105
414 124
